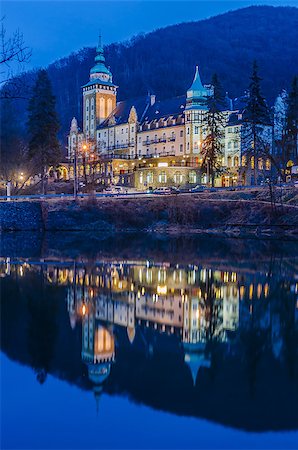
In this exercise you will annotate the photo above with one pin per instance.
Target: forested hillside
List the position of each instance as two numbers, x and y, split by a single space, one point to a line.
163 61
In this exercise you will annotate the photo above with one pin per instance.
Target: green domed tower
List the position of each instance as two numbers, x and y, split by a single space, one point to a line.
99 94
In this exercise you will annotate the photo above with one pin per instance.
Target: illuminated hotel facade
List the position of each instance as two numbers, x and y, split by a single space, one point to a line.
147 143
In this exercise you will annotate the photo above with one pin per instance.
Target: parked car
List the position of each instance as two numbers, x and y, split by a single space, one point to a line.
118 190
199 188
162 191
174 190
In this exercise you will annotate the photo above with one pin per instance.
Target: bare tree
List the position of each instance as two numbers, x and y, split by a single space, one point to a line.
14 54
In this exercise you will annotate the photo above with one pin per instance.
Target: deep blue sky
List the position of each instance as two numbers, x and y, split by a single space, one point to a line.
54 29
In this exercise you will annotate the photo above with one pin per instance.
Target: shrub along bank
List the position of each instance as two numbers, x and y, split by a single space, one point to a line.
175 214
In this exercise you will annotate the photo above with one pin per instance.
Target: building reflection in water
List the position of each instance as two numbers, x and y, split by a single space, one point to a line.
196 304
199 305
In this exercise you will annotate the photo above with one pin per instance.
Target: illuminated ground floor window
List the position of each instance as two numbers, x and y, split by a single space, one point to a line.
162 177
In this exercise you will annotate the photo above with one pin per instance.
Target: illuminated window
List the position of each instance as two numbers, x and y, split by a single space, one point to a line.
229 159
252 162
178 178
268 164
162 177
141 178
260 164
192 177
150 177
243 161
236 161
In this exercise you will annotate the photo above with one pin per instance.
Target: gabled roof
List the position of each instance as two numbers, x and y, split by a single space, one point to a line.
165 108
235 119
122 110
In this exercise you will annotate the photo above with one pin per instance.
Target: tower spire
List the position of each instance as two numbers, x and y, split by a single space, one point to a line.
197 94
99 46
100 70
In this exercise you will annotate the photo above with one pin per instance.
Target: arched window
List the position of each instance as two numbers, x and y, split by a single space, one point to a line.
177 177
229 161
141 178
110 107
260 164
150 177
101 107
192 177
162 177
268 164
236 161
243 161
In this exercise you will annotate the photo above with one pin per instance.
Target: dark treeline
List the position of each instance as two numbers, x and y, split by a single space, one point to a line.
163 61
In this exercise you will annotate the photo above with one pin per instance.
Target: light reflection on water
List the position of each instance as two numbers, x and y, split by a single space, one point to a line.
214 341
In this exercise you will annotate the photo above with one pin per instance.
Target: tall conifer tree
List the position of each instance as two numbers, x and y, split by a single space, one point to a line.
292 121
255 117
214 123
43 125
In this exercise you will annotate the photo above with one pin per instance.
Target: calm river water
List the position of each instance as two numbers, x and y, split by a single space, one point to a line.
148 342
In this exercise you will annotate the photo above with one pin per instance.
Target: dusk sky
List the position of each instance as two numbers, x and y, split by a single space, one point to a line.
55 29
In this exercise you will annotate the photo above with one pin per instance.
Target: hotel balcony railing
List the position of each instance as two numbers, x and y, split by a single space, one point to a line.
120 146
114 156
154 141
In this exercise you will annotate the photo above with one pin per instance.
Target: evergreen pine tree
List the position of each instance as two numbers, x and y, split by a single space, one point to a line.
292 121
255 117
214 123
43 125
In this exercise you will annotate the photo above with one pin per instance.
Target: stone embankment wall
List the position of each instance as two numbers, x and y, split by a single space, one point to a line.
163 214
19 216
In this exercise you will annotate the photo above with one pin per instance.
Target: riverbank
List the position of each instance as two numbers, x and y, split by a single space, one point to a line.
182 214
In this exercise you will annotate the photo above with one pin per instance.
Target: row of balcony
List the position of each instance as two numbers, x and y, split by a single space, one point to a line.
134 157
120 146
157 141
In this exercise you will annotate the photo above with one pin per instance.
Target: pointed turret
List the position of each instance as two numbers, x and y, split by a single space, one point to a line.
197 94
100 70
195 358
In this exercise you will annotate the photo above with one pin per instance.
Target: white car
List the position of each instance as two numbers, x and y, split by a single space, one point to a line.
162 191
